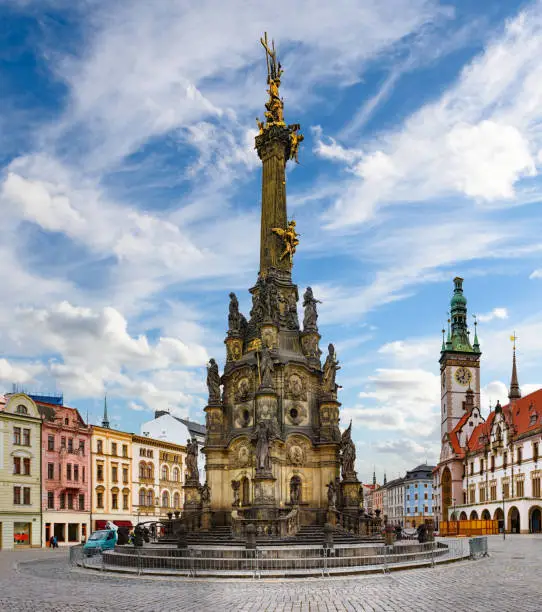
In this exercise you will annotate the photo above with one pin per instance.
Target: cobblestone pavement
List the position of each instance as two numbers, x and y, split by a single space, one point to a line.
509 581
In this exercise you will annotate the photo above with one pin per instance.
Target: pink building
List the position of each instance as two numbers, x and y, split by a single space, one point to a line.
65 461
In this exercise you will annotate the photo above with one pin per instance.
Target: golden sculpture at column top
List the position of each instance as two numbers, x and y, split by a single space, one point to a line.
275 106
290 239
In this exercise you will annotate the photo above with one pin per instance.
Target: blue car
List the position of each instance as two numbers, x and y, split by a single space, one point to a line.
104 539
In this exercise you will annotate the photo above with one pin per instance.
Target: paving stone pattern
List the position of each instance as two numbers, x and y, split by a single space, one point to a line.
509 581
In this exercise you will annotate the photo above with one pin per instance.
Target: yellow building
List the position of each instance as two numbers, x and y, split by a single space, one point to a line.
20 472
157 478
111 470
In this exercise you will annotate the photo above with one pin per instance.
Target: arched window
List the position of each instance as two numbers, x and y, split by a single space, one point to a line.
142 470
177 501
165 499
165 472
150 498
22 409
142 497
176 474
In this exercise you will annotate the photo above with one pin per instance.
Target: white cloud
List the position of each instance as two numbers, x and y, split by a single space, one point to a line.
536 273
496 313
20 373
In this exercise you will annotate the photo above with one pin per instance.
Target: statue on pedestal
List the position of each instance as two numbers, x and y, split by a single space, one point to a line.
236 485
263 438
192 472
236 321
205 494
266 369
348 454
213 381
295 490
331 366
311 315
331 495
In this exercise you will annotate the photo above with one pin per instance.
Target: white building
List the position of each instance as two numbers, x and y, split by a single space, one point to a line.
178 431
394 501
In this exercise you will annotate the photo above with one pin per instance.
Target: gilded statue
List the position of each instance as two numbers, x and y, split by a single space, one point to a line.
260 125
290 240
275 105
296 138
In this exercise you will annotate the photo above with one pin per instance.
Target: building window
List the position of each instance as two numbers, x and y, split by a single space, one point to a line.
16 465
176 474
150 498
63 501
472 468
114 448
63 442
50 443
142 497
176 501
536 487
115 501
520 453
125 450
425 496
99 499
84 475
504 459
76 473
66 421
506 490
472 496
26 496
125 501
70 501
520 488
70 445
50 471
125 475
415 496
26 437
21 409
482 495
114 473
492 463
69 471
481 466
99 446
17 496
81 501
50 500
81 447
16 435
426 509
165 472
26 466
100 472
165 499
535 451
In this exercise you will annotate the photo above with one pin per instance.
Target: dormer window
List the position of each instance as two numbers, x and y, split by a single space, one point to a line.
21 409
533 419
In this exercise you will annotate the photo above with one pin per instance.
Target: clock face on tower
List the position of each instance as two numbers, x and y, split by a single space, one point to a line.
463 376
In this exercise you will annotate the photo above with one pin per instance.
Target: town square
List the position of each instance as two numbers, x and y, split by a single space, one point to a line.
271 324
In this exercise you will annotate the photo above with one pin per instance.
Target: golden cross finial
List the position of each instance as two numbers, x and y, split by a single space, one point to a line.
513 339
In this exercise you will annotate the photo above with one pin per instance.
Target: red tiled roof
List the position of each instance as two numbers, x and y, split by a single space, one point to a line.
524 415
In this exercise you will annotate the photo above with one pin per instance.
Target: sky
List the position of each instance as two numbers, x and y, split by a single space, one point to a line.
130 194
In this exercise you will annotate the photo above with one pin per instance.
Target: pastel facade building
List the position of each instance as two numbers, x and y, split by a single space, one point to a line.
20 472
418 484
111 469
157 477
66 493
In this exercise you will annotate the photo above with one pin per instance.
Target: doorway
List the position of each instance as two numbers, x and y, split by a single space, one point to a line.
536 521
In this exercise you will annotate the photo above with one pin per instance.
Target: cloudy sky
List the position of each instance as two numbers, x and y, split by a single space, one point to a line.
129 193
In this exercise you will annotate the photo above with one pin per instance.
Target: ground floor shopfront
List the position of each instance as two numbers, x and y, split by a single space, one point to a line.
522 515
67 527
99 521
20 531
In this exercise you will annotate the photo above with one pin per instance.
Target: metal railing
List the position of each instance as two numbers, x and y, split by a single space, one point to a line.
277 560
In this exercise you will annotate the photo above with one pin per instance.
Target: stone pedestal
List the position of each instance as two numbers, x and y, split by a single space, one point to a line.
264 491
206 518
267 406
214 420
329 420
350 494
331 517
191 496
310 345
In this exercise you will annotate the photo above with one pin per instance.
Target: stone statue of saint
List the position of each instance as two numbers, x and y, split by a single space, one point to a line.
295 490
192 472
348 454
266 369
235 485
213 381
263 439
331 366
235 318
311 315
205 494
331 495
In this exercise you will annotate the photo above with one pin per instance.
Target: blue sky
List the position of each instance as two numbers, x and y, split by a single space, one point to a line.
129 192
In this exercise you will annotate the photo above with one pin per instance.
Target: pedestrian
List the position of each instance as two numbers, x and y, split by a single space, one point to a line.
52 541
55 542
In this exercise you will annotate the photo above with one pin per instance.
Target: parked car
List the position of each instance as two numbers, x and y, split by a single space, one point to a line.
104 539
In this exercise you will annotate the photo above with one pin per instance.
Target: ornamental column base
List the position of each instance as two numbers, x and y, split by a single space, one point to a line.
192 501
329 420
350 494
264 491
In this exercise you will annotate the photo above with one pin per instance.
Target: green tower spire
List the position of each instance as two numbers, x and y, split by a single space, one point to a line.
105 419
458 334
